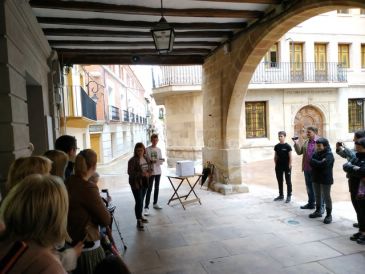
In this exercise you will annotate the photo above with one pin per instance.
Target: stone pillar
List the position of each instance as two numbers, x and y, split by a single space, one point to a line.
13 108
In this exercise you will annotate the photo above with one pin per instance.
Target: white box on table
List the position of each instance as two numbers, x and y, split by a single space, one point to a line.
185 168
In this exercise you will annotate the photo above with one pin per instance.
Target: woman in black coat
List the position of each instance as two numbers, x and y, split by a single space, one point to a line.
322 175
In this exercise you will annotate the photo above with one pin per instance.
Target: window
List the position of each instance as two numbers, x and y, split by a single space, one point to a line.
356 114
343 11
362 11
363 56
272 57
344 55
255 119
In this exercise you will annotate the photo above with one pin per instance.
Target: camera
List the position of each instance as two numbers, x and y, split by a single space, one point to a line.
295 138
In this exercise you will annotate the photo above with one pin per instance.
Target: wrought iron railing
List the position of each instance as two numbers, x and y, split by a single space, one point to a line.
288 72
177 75
114 114
78 103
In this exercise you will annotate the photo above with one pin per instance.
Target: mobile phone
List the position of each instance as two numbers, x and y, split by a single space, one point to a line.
295 138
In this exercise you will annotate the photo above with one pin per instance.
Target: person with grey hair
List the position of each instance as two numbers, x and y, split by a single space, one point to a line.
307 149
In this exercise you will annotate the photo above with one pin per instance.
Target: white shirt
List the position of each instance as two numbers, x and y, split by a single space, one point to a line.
154 154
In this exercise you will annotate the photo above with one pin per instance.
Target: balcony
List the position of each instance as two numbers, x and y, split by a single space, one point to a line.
114 114
80 109
286 72
177 76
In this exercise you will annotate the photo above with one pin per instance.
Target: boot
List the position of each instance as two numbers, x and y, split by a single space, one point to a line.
328 218
140 226
288 199
316 214
279 198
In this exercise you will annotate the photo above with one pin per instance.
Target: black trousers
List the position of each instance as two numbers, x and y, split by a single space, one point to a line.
138 197
280 170
354 187
361 214
152 178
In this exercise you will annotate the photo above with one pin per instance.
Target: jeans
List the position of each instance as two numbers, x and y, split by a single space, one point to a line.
279 170
138 197
309 186
323 192
152 178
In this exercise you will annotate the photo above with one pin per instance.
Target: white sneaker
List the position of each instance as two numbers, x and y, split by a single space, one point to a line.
156 206
146 212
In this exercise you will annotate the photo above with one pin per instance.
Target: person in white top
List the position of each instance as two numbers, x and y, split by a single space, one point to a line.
153 153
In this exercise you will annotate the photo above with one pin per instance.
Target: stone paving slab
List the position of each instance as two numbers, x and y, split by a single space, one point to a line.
241 233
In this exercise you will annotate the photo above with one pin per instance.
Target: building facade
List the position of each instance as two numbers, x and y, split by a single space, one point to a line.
313 75
120 114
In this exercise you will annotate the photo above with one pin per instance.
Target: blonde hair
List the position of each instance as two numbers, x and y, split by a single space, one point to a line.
25 166
85 160
59 162
36 209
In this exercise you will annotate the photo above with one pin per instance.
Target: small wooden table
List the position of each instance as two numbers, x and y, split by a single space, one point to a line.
183 199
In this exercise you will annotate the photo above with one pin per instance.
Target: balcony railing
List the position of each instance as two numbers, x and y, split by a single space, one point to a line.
78 103
177 75
114 113
286 72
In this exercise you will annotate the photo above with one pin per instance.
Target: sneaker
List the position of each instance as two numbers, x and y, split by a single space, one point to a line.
144 220
279 198
361 239
355 236
308 206
146 212
328 219
288 199
355 225
315 214
156 206
140 226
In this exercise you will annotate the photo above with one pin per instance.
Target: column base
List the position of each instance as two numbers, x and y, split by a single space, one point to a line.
227 189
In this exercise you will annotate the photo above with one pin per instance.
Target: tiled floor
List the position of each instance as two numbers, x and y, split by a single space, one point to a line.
240 233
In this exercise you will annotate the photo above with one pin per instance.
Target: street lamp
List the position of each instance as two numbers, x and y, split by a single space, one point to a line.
163 35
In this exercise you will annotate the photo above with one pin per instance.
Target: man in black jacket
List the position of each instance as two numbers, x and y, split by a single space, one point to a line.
67 144
322 175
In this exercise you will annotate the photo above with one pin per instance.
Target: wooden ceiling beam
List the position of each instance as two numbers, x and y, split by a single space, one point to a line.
271 2
127 43
111 23
132 51
139 34
127 60
139 10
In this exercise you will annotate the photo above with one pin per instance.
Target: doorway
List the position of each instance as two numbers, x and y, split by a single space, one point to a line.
305 117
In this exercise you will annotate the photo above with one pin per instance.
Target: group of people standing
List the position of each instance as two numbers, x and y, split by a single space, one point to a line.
317 166
51 213
144 170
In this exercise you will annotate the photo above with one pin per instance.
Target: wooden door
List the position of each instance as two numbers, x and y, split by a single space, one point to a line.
308 116
95 144
320 60
296 60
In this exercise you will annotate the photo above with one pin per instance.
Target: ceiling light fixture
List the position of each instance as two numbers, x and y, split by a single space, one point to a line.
163 35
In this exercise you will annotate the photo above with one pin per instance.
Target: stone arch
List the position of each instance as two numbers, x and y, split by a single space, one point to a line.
226 75
309 115
250 49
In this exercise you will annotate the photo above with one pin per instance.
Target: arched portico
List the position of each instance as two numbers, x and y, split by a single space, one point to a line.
226 77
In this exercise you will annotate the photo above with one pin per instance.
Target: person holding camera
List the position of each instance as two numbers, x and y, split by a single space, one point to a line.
355 170
350 155
322 175
283 160
307 150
